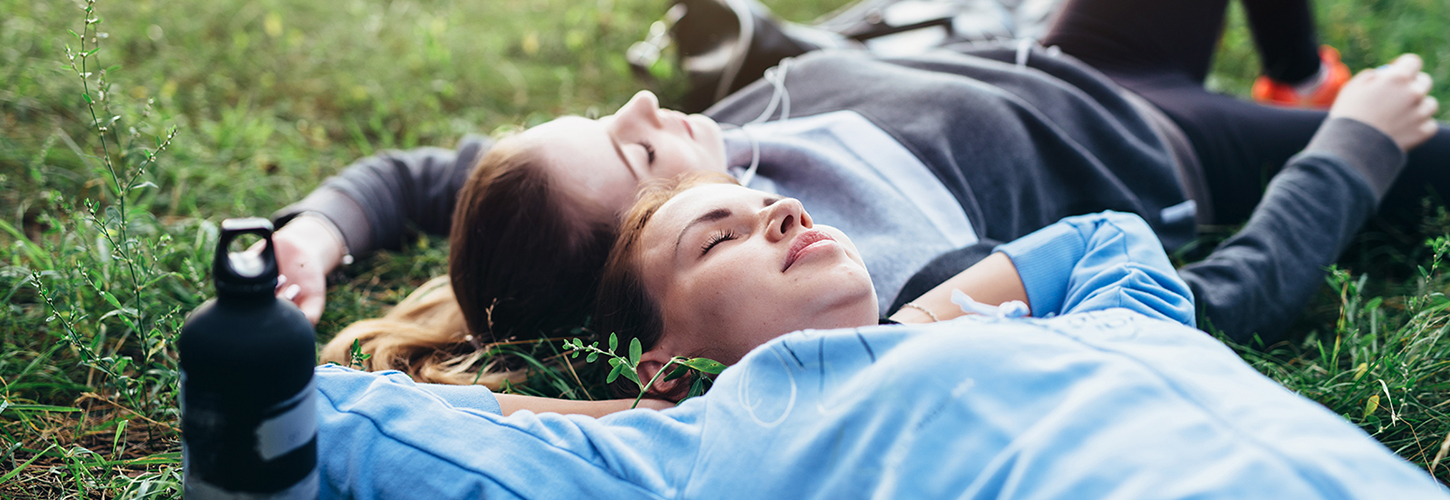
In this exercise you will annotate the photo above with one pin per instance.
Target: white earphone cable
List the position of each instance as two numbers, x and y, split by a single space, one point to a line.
780 97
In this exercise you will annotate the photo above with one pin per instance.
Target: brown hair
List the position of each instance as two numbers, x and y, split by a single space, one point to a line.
524 261
525 255
624 307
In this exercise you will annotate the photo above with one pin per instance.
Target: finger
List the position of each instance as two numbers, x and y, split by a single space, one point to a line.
311 307
1368 74
1429 128
291 292
1422 83
281 280
1410 61
1428 107
257 246
1407 64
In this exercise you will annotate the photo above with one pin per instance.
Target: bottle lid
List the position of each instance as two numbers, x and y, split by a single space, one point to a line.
245 273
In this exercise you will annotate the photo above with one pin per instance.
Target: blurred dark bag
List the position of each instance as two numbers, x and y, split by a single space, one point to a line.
723 45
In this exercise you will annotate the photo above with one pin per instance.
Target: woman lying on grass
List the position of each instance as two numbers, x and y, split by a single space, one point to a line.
527 247
929 161
1108 392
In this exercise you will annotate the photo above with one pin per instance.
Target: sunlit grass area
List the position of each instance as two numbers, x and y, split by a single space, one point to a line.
116 166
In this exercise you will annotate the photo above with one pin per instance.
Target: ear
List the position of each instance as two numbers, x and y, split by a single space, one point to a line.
650 363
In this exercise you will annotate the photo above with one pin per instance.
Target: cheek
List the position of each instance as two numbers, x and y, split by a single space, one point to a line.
716 301
725 291
682 164
687 159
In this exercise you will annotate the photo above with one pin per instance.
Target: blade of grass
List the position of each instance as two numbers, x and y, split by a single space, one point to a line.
16 472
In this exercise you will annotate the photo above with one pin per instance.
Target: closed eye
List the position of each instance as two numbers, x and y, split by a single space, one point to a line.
716 239
649 151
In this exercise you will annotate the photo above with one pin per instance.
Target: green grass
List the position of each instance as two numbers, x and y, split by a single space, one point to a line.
102 252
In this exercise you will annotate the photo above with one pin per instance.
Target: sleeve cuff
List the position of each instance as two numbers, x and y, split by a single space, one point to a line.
342 211
1373 154
1045 260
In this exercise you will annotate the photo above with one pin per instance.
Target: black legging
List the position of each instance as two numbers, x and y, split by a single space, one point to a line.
1162 51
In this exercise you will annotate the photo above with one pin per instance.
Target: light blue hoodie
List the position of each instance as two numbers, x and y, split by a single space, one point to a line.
1114 397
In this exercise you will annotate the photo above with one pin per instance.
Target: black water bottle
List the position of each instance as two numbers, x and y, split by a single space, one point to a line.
248 406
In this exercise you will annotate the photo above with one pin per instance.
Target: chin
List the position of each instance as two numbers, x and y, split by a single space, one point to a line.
717 158
847 300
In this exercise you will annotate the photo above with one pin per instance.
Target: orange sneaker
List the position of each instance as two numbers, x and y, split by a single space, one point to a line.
1336 74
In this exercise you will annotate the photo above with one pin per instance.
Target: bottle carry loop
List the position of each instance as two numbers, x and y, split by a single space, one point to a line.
243 272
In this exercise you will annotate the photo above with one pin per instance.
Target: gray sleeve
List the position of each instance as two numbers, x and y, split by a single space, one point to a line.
1370 152
1258 281
377 201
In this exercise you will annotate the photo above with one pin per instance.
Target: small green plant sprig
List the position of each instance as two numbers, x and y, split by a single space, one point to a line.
628 365
356 357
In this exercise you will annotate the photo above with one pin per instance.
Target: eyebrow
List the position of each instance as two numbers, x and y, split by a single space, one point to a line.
712 216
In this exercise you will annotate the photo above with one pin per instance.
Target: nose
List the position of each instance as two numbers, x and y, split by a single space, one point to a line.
643 108
784 218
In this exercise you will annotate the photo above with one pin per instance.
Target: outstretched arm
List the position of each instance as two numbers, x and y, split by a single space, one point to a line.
510 403
370 205
380 435
1256 282
992 280
1081 263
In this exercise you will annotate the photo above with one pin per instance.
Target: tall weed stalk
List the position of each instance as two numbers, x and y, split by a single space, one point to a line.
101 286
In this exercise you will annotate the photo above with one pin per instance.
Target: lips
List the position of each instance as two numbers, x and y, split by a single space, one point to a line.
804 241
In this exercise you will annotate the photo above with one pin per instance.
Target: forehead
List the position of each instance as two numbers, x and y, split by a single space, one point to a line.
582 156
572 139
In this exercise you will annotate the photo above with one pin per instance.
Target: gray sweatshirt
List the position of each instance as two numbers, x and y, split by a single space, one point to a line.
1014 148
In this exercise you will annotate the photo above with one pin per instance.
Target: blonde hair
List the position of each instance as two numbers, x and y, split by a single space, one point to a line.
425 337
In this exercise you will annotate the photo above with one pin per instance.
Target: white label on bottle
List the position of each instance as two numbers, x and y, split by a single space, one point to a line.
287 431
